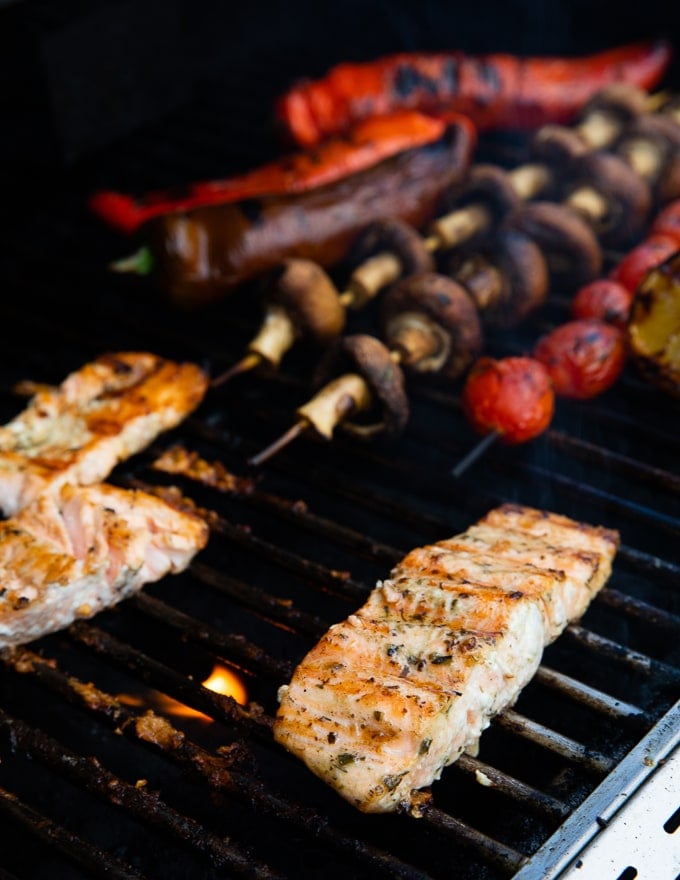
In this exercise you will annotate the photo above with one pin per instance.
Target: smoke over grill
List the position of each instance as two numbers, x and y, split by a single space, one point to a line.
100 774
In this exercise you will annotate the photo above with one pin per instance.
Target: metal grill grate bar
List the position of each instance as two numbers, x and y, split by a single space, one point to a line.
144 806
94 860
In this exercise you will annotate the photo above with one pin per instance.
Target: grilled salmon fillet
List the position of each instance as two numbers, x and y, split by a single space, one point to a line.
395 693
101 414
71 553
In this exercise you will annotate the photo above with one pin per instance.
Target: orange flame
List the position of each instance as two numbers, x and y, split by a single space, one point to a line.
221 680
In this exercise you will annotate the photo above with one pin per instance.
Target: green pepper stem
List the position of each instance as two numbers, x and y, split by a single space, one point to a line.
141 262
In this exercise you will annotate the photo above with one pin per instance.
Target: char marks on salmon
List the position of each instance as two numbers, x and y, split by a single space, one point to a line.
101 414
399 690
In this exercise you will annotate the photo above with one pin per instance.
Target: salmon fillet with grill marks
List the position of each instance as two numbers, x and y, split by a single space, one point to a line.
101 414
72 553
395 693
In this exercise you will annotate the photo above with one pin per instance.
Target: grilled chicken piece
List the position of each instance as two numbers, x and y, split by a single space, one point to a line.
72 553
395 693
98 416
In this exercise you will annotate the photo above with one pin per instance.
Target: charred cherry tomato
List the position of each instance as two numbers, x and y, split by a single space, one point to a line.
668 222
605 299
512 396
583 358
647 255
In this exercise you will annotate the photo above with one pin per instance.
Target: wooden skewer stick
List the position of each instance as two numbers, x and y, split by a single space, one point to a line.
476 452
252 360
345 396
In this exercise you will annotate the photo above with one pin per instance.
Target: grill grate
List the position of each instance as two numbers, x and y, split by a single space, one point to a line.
93 786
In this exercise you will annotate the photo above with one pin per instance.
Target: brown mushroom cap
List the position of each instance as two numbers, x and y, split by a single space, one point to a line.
368 356
621 100
662 134
396 237
443 309
521 277
557 146
655 126
667 187
567 242
487 185
628 197
310 299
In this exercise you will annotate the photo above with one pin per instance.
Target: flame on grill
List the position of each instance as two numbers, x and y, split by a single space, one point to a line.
221 680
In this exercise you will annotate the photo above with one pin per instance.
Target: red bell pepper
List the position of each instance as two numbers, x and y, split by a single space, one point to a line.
495 91
369 143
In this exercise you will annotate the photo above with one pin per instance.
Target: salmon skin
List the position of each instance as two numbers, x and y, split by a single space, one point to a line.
399 690
72 553
99 415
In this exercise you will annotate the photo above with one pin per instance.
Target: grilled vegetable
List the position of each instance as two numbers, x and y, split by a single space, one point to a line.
512 397
647 255
583 358
395 693
654 328
495 91
100 415
604 299
202 254
667 222
70 554
369 143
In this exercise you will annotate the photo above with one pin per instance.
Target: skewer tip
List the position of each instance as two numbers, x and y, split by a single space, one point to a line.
249 362
291 434
476 452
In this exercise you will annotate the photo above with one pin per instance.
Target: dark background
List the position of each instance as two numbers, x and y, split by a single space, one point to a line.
78 76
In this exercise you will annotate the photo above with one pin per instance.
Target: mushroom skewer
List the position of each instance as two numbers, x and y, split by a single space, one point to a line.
477 205
370 379
431 326
609 191
303 302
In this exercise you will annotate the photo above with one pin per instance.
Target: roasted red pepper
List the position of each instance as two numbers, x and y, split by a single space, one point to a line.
201 254
512 397
370 142
495 91
583 358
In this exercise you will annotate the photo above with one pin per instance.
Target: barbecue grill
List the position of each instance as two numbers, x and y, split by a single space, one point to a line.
116 761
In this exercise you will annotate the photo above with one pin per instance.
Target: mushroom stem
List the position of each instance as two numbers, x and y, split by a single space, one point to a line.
588 202
333 404
369 278
249 362
482 280
458 226
276 336
644 158
530 179
599 129
657 100
417 340
336 401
